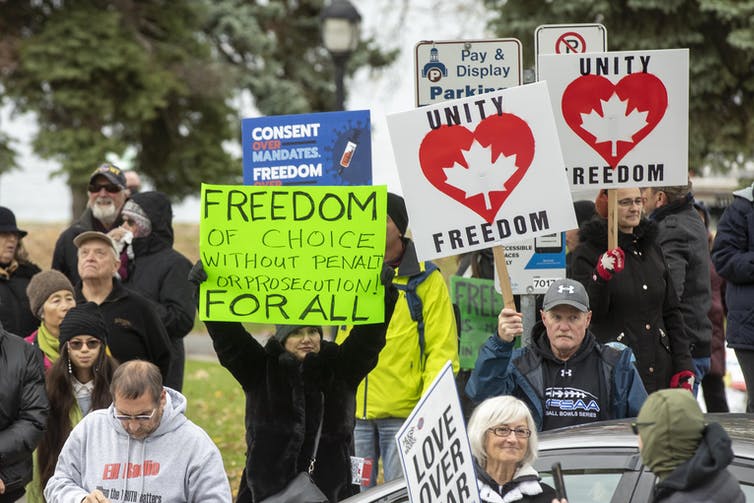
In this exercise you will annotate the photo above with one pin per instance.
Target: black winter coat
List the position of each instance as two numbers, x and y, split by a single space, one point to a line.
638 306
283 405
159 272
15 313
135 330
65 257
23 411
683 239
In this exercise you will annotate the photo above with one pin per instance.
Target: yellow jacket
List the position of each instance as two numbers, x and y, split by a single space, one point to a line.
394 387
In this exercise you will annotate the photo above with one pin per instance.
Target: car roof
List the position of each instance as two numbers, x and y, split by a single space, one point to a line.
617 433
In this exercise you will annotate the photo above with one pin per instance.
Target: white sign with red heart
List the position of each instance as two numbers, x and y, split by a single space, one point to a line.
622 116
481 171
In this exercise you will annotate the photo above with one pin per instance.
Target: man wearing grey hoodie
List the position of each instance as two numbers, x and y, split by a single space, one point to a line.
141 448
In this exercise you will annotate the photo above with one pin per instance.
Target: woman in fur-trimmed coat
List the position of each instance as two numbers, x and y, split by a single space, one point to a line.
636 306
284 382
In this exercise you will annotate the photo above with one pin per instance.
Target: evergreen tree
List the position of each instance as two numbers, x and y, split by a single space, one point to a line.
718 33
158 77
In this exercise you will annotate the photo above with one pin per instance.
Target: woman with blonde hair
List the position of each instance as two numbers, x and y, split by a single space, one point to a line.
503 440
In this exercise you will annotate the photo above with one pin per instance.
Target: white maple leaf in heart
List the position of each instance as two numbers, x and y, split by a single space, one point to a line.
483 175
614 124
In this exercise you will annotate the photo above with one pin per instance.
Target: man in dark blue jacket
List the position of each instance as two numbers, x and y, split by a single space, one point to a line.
733 256
565 376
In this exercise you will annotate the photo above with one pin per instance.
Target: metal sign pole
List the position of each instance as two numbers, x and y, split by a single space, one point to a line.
529 311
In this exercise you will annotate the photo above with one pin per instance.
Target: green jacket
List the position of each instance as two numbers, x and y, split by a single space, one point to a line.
34 489
394 387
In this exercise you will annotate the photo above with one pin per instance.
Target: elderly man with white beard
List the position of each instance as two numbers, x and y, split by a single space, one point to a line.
107 194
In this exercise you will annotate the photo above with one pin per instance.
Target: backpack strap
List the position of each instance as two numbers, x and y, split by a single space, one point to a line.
415 305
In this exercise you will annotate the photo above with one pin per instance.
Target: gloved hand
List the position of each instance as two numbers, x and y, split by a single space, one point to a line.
391 293
611 262
683 379
197 275
386 276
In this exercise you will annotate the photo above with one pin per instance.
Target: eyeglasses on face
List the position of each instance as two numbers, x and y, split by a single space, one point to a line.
628 202
137 417
504 431
635 426
91 344
110 187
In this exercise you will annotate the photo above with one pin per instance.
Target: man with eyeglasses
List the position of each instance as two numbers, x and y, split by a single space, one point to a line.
683 239
141 448
565 376
107 195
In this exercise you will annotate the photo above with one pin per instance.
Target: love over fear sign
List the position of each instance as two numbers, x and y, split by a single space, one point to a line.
481 171
622 116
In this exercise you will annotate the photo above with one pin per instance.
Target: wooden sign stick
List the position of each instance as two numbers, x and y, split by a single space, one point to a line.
505 281
612 219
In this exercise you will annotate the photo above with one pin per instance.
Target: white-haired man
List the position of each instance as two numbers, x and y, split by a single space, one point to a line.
107 195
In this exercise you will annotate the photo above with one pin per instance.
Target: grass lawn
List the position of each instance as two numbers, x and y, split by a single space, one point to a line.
216 403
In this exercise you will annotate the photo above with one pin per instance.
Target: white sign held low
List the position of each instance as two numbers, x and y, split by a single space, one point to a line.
434 447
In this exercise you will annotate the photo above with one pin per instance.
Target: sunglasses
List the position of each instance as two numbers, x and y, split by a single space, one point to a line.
138 417
109 187
635 426
91 344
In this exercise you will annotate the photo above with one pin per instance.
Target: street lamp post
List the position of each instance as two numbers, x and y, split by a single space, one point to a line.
340 36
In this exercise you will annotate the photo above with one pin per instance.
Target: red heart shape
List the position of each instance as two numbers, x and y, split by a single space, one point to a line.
504 134
641 93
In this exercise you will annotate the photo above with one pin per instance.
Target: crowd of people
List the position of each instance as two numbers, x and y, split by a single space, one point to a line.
632 329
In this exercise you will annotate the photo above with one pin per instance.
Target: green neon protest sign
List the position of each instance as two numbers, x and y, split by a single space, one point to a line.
292 255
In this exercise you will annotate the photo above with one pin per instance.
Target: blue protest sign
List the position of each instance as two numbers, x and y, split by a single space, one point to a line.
330 148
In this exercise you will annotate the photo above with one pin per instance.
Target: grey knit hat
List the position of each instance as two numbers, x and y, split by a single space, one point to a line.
283 331
42 285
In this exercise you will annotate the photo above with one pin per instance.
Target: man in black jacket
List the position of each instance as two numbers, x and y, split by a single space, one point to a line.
107 194
23 412
683 239
136 332
158 272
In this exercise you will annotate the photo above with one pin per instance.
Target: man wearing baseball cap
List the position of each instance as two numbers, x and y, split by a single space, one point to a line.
107 194
565 375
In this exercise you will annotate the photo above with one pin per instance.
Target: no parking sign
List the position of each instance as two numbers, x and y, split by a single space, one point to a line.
568 39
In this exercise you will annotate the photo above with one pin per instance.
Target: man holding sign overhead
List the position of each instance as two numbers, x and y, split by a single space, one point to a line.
565 376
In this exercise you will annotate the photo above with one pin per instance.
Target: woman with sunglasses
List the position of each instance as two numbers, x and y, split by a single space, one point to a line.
77 383
632 296
503 440
50 298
